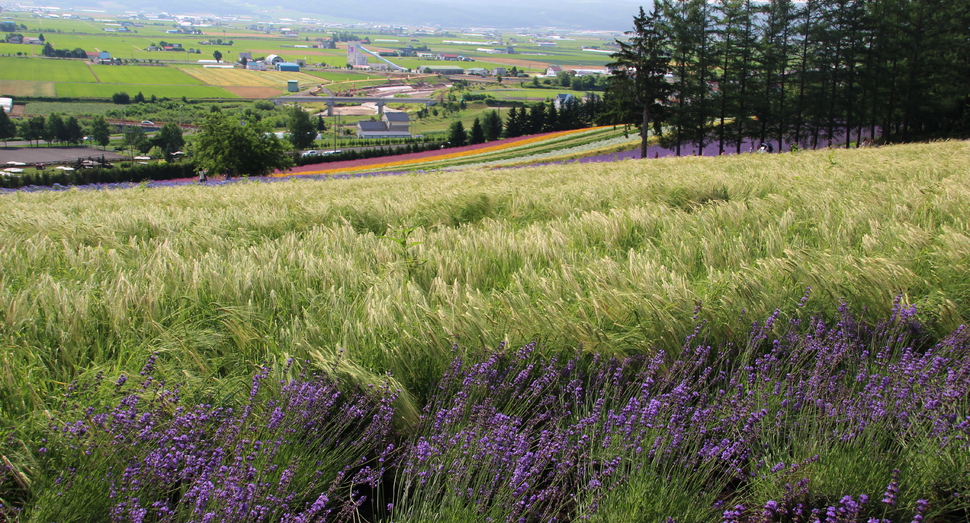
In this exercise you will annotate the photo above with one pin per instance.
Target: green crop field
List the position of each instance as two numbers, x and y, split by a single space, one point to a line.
76 108
138 74
45 70
104 91
335 76
527 93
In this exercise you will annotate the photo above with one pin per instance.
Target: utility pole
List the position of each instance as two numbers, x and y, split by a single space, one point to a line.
335 128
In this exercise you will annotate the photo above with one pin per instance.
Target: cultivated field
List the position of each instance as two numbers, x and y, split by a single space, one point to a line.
27 88
335 76
104 91
246 78
143 74
45 70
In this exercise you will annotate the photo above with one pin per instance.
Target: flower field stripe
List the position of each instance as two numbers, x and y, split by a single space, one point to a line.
435 156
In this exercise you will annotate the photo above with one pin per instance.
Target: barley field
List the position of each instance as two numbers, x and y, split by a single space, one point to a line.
805 309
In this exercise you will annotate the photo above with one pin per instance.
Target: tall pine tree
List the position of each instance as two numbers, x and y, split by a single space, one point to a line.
639 72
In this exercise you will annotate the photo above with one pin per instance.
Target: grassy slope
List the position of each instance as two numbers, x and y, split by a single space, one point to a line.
611 256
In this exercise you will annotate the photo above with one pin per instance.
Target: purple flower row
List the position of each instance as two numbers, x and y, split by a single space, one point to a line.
809 421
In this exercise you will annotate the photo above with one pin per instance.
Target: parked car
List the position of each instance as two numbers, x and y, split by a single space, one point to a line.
147 122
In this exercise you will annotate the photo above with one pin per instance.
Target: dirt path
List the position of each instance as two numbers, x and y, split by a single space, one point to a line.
92 72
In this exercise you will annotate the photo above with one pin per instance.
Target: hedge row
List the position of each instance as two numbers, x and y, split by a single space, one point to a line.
135 174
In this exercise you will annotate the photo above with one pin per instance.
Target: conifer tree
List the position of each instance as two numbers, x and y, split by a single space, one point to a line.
477 134
513 123
639 71
492 126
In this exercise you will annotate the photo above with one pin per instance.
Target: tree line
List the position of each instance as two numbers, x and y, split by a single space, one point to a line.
529 118
802 74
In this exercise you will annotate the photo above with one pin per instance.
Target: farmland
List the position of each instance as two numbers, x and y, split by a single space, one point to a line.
773 300
40 70
28 88
104 91
241 77
143 75
63 77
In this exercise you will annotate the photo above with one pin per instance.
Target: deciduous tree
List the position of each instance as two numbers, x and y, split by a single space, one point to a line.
248 148
169 139
8 129
73 133
101 131
301 131
55 128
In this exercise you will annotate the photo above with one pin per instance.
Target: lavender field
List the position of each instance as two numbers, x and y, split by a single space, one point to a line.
764 338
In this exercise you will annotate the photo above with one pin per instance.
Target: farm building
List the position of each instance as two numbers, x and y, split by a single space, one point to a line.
391 125
288 66
562 99
274 59
441 69
6 104
480 71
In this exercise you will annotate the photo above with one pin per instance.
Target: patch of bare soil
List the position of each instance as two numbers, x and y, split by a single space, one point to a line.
254 93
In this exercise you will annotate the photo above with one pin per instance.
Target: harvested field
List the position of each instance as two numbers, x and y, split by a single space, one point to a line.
254 93
17 88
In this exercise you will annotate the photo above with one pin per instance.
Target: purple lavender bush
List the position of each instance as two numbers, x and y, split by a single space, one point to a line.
804 423
293 451
809 421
